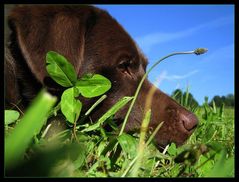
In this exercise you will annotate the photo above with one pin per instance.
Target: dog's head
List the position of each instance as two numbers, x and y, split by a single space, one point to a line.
94 43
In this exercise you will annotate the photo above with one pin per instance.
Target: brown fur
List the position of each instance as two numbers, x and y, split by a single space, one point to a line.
94 43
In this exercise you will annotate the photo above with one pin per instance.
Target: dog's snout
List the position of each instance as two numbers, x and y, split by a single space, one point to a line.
189 121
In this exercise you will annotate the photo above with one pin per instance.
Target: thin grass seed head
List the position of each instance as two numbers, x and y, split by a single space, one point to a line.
199 51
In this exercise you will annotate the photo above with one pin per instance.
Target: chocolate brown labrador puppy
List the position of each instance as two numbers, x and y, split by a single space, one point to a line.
94 42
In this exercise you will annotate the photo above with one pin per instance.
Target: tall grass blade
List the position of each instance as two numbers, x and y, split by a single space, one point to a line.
141 146
181 99
154 133
214 107
103 97
222 109
186 97
122 102
18 141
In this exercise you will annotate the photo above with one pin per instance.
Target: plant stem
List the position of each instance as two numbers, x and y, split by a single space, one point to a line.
103 97
197 52
154 133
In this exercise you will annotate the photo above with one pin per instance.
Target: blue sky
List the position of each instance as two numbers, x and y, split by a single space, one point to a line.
162 29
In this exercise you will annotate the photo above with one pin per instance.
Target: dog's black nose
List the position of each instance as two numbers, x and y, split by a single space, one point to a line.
189 121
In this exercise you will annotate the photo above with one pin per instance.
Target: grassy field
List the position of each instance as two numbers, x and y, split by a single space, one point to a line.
74 153
86 149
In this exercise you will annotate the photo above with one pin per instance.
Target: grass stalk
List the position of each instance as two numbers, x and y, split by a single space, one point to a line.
141 146
196 51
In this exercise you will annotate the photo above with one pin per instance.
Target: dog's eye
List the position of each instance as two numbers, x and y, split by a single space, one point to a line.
125 67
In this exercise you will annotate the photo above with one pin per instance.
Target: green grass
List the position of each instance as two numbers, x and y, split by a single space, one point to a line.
209 152
89 150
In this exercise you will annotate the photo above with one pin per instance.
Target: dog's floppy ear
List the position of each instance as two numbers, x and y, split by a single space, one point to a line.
39 29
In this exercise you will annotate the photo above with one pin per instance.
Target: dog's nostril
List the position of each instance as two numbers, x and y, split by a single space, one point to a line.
189 122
